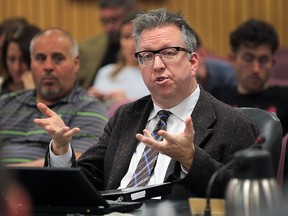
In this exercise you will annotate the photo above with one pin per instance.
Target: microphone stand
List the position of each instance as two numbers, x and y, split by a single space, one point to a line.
259 140
207 211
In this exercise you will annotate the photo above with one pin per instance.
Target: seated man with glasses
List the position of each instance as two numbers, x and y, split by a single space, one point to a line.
192 133
253 46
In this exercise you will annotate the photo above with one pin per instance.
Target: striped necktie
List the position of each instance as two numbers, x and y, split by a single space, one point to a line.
149 157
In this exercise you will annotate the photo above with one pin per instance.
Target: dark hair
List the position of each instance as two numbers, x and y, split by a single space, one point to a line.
116 3
22 36
254 33
11 23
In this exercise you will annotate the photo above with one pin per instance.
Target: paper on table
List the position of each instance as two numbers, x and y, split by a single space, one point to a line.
197 206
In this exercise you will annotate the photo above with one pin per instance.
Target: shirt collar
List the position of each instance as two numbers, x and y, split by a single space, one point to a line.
181 110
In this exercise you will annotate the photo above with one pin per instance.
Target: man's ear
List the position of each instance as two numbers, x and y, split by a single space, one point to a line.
194 59
77 63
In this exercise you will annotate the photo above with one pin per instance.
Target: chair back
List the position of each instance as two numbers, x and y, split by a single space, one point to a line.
270 128
282 172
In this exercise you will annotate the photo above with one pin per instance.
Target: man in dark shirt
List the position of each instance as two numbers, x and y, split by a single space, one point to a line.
253 46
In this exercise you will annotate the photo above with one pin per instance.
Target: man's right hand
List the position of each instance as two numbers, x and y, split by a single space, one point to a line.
56 128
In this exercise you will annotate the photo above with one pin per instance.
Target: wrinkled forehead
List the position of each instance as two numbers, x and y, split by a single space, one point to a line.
52 43
159 37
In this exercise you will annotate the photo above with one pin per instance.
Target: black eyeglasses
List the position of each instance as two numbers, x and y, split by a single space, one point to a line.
167 54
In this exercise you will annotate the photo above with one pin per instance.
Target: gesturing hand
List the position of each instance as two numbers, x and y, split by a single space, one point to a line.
179 146
56 128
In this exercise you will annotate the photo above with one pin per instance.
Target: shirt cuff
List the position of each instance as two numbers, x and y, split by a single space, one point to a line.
64 160
184 171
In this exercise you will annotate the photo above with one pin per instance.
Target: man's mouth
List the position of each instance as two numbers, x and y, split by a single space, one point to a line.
160 80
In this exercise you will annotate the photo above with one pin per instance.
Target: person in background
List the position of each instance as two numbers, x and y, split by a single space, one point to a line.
201 135
54 64
121 82
6 26
103 49
213 72
16 58
253 44
14 199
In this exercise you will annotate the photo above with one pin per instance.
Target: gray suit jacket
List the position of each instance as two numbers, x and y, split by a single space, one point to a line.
219 132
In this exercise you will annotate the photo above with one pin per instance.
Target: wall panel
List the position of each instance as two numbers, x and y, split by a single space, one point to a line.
212 19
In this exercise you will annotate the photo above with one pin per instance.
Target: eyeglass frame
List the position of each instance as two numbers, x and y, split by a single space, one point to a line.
158 52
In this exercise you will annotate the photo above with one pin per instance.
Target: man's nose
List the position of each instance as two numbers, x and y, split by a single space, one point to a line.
48 65
256 65
158 63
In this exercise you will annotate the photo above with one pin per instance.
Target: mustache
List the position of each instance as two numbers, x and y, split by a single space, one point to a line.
50 77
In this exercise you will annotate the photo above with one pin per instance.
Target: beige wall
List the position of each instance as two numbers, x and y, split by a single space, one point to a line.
213 19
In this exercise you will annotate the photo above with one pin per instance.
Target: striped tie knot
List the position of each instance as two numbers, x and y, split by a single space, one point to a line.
161 125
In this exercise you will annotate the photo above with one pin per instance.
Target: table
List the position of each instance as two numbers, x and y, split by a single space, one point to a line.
163 208
149 208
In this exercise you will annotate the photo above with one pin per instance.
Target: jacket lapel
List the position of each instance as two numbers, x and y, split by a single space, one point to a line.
203 117
135 122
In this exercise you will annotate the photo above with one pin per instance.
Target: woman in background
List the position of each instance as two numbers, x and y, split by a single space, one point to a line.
120 83
16 58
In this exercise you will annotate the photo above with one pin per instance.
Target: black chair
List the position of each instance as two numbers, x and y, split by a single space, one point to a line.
270 128
282 172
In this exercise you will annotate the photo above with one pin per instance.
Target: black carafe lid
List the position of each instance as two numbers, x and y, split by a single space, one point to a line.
253 164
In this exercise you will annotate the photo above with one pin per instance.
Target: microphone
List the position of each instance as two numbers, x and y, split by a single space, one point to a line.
257 144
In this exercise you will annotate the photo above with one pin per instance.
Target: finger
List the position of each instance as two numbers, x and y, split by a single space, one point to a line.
47 121
40 122
189 129
146 138
72 132
45 110
166 135
56 131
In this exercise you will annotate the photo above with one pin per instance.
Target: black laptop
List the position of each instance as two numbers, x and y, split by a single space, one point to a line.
65 190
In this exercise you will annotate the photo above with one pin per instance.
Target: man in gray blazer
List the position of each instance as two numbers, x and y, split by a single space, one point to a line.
202 133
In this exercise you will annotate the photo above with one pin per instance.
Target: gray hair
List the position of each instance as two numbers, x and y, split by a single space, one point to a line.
163 17
74 45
